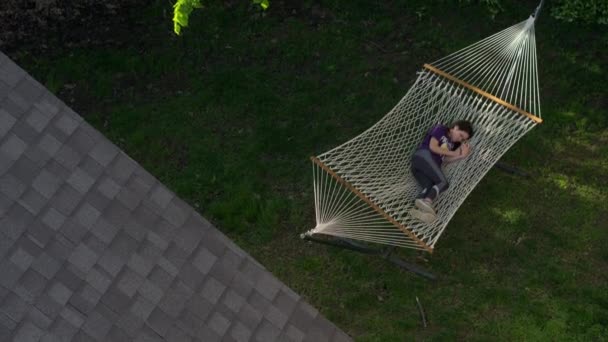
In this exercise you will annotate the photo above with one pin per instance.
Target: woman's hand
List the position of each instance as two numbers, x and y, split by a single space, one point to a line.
434 147
461 152
465 149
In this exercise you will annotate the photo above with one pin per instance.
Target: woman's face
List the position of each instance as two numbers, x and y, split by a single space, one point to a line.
458 135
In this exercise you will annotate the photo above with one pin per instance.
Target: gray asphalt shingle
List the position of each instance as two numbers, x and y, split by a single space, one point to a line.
93 247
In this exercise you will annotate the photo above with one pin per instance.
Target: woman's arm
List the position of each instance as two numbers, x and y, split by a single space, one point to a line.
463 151
448 160
434 147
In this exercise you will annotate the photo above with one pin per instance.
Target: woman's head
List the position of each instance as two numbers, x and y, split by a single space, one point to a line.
461 130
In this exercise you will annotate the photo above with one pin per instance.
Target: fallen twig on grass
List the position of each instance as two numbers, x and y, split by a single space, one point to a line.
421 310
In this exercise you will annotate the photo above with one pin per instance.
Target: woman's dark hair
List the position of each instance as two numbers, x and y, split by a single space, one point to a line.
464 125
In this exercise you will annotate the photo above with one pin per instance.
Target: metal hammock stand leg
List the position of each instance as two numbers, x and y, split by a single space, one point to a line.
511 169
386 253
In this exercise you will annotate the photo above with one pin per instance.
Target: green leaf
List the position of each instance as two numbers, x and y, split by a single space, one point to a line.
183 8
181 13
263 3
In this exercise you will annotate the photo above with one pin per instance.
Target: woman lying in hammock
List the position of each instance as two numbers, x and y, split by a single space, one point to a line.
441 144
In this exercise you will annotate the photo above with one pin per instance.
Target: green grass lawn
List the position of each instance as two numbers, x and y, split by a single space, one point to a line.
228 114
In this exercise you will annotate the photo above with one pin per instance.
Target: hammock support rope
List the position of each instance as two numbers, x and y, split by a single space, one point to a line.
364 190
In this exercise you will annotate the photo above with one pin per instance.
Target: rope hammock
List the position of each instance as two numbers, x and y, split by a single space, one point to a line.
363 189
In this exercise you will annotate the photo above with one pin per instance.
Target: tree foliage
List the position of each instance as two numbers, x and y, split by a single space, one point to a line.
493 6
587 11
183 8
181 13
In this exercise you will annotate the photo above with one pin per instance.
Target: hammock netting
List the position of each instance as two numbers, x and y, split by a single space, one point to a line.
364 189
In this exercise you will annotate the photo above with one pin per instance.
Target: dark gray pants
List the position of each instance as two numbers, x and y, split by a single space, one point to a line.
428 174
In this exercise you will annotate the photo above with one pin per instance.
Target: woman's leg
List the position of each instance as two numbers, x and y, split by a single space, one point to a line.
424 181
423 163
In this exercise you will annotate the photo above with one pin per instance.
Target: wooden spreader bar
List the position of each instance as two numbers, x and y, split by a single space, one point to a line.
483 93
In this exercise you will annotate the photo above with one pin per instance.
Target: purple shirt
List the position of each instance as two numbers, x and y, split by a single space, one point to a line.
439 132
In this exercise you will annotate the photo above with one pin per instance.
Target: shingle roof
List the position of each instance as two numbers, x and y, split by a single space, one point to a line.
93 247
